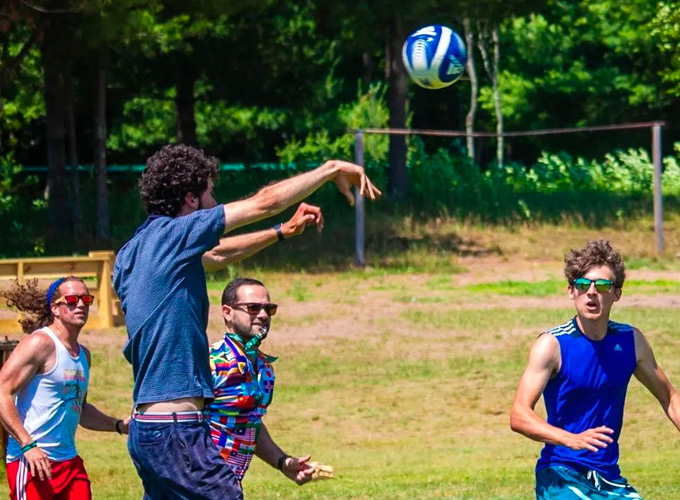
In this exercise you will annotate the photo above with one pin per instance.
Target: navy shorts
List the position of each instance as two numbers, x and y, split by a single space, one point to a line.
178 460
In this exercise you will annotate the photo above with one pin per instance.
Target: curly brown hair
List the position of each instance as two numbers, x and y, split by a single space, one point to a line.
595 253
173 172
32 301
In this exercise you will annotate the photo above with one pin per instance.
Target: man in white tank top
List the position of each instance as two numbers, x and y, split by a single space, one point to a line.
43 394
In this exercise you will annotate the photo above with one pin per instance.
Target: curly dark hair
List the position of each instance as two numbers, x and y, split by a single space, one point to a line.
595 253
32 301
230 291
173 172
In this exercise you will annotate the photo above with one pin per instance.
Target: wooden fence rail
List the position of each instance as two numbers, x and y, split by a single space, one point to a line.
98 265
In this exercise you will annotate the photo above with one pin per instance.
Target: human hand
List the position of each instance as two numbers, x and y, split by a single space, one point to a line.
38 463
125 426
350 175
591 439
305 214
298 469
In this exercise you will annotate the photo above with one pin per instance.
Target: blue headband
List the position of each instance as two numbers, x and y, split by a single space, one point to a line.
53 288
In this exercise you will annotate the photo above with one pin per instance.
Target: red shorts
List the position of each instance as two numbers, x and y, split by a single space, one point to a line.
69 481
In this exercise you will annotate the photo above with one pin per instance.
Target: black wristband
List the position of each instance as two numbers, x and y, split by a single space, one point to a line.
281 462
277 228
118 422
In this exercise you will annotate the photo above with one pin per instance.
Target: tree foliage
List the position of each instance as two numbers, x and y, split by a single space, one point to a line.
266 81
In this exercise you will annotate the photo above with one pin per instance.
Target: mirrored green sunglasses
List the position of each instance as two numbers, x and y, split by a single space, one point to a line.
583 285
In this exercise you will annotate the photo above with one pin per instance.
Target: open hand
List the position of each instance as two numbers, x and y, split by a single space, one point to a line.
353 175
305 214
592 439
38 463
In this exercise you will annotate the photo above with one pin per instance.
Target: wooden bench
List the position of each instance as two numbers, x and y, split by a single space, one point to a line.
98 265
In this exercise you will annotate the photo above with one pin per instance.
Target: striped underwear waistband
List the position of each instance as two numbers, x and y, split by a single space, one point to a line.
174 417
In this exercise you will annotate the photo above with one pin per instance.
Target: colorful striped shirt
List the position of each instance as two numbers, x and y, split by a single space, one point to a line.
243 391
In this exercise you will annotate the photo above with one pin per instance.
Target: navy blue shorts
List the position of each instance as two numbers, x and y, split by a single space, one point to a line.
180 461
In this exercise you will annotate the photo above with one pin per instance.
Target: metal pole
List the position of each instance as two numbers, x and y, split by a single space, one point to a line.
658 200
359 205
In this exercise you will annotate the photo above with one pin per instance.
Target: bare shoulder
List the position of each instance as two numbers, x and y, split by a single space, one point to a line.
38 342
546 343
35 348
545 352
643 349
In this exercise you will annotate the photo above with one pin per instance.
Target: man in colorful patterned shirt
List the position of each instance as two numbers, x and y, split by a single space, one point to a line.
244 384
582 369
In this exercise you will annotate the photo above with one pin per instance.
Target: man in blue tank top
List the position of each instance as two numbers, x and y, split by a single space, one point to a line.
582 369
160 279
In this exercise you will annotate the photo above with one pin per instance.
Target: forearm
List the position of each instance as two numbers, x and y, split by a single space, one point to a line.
267 450
11 421
529 424
95 420
673 409
275 198
236 248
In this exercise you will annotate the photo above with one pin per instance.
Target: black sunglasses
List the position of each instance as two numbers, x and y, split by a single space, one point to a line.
256 307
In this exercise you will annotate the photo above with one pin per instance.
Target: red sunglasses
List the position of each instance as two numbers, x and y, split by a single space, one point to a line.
72 300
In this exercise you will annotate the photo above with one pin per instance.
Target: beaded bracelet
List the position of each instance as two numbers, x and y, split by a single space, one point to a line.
29 446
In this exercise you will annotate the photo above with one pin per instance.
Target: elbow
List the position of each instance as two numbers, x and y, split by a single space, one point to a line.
268 202
516 421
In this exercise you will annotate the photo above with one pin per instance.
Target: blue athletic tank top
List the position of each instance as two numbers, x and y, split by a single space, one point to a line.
589 391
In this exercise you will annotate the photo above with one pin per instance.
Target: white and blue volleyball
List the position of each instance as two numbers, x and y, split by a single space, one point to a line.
434 56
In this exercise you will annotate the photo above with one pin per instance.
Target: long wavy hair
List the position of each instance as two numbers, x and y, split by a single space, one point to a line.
31 301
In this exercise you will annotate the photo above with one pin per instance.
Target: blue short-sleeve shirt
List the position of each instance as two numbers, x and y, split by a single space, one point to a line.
160 280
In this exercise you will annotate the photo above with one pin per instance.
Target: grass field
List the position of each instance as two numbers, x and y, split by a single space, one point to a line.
404 380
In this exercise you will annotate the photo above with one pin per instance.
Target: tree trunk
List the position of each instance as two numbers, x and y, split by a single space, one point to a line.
53 50
500 144
397 182
474 89
102 233
492 69
72 152
185 102
368 66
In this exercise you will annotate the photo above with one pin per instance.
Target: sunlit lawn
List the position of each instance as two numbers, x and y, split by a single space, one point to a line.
404 385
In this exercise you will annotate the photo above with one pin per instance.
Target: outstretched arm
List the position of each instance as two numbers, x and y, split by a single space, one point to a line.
235 248
275 198
294 468
23 364
94 419
544 361
653 378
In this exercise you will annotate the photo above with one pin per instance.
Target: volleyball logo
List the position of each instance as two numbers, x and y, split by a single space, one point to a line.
434 56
